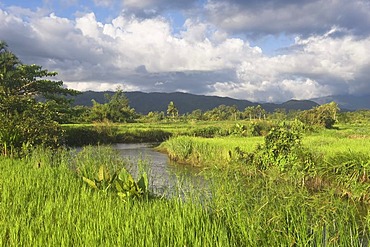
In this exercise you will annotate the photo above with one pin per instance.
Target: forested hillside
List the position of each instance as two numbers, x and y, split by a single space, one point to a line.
146 102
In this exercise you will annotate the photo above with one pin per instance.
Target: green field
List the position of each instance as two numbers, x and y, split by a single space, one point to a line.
44 201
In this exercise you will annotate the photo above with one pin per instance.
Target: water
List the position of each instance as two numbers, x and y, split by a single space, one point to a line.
165 177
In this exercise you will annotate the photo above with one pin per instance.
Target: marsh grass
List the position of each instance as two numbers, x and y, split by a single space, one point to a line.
107 132
325 204
51 206
205 151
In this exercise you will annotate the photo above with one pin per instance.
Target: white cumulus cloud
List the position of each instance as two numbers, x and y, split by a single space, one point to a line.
146 54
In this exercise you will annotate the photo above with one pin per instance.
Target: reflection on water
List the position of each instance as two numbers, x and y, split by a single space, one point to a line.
166 177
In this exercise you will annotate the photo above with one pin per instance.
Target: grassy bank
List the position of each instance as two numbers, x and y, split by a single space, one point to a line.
107 132
286 195
201 151
81 135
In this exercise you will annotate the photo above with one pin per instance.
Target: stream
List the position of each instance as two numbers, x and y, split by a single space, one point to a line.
166 178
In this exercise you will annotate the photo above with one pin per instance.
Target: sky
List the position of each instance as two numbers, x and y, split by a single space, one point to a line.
263 51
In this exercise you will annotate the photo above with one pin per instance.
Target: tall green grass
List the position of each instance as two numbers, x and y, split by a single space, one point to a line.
324 204
205 151
269 209
49 205
43 202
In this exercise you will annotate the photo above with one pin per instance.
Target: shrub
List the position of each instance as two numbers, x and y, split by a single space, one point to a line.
282 148
20 132
208 132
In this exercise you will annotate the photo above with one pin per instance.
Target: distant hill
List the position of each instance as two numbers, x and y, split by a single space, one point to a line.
346 102
185 102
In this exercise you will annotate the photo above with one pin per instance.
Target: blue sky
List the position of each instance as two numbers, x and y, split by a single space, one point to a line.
272 50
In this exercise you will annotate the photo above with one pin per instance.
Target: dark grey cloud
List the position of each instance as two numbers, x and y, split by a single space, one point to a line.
304 17
360 85
197 82
150 8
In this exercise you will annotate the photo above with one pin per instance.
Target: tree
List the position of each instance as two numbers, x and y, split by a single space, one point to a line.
197 114
28 103
155 116
172 110
249 111
323 115
99 112
117 109
234 112
259 111
279 114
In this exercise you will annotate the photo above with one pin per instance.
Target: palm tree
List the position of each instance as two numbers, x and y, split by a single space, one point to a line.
172 110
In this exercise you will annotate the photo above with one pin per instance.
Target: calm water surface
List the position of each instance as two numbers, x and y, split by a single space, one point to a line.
166 177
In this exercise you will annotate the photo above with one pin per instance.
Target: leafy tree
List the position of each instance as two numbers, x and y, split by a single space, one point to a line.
119 109
155 116
99 112
359 116
234 112
28 104
250 112
223 112
172 110
324 115
80 114
116 110
279 114
258 111
197 114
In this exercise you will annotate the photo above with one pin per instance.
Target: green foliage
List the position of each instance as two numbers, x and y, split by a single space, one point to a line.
349 173
354 117
254 112
324 115
251 128
29 105
107 132
256 128
116 110
120 182
154 117
172 110
222 112
282 141
140 136
239 130
196 115
282 148
208 132
20 131
49 205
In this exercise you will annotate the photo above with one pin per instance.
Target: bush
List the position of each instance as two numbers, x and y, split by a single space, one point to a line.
21 132
282 148
207 132
106 132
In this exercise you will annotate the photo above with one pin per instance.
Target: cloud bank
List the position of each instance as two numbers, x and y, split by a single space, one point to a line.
211 54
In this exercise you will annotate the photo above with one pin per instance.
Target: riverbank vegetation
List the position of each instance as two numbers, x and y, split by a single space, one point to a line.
272 179
321 201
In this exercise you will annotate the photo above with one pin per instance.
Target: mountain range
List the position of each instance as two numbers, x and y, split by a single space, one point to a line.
346 102
186 102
